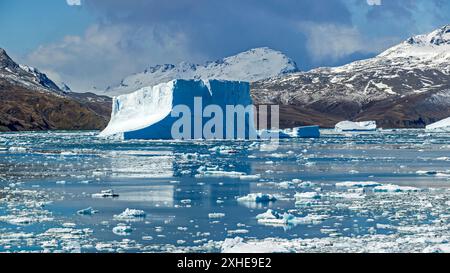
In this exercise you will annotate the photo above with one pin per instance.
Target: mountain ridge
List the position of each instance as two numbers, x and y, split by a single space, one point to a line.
32 101
417 67
251 65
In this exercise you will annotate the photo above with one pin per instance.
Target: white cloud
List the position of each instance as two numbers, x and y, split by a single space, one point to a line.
331 41
105 54
374 2
73 2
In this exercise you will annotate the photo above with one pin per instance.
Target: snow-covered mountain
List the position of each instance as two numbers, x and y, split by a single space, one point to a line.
412 78
252 65
27 76
32 101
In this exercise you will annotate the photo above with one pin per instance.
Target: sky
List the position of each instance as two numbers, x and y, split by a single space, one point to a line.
95 43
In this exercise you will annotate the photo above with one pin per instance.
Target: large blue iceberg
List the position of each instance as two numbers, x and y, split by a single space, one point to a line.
154 112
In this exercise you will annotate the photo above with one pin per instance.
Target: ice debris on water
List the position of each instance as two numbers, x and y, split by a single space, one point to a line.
216 215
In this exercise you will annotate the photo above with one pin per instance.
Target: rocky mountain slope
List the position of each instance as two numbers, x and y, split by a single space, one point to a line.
29 100
252 65
408 85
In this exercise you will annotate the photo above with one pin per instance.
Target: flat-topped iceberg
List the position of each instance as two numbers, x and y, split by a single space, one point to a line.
442 126
350 126
165 111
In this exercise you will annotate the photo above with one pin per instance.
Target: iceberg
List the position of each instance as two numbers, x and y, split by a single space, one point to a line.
258 198
152 112
442 126
350 126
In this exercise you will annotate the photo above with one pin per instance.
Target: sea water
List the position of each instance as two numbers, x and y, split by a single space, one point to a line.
183 195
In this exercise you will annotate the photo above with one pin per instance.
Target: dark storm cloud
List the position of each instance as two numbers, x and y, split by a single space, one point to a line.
219 28
128 35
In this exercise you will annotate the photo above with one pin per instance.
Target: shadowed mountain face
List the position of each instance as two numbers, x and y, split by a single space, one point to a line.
406 86
30 101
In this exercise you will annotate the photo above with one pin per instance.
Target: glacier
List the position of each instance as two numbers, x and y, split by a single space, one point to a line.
151 112
440 126
350 126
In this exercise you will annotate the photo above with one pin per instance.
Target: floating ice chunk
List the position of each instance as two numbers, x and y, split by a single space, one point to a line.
442 126
17 220
250 177
390 188
350 184
17 149
426 172
122 230
307 195
87 211
130 214
285 185
237 245
257 198
350 126
231 174
237 231
216 215
271 218
269 214
105 194
346 195
204 171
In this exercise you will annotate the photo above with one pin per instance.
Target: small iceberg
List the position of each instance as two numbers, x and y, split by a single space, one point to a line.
307 195
130 214
350 126
257 198
216 215
272 218
442 126
122 230
88 211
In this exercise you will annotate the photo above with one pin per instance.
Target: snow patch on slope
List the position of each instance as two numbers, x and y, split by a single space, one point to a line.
252 65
